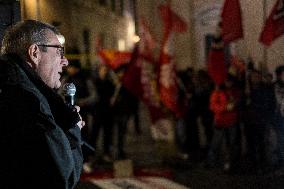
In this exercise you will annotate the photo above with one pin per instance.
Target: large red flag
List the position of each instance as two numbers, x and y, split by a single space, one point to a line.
216 66
274 25
147 41
132 76
231 21
140 79
140 76
167 77
172 22
217 69
114 58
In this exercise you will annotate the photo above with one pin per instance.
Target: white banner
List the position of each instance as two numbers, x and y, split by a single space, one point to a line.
137 183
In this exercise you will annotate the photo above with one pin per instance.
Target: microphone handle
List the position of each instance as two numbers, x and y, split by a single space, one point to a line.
69 99
70 102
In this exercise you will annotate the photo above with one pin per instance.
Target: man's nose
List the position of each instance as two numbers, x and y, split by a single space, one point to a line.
64 61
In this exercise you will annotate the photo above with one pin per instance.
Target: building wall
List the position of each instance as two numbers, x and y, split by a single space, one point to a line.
183 42
253 12
75 17
201 16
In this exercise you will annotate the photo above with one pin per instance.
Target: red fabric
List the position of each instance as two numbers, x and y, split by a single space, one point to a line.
168 84
217 69
153 172
114 58
167 71
132 76
219 101
171 20
147 42
274 25
231 21
138 81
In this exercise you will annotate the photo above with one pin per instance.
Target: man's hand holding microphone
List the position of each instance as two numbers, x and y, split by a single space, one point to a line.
69 91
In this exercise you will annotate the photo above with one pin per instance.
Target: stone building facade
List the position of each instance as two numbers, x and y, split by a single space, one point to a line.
86 24
83 22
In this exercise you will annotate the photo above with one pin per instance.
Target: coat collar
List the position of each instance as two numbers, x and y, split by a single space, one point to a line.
64 116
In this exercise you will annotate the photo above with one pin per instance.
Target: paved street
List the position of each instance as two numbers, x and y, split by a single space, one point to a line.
160 159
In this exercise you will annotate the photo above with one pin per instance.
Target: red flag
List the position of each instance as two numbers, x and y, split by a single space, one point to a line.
167 77
231 21
140 81
147 42
140 76
131 78
114 58
172 22
216 66
274 25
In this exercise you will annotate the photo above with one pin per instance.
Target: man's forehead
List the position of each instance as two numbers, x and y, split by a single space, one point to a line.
52 38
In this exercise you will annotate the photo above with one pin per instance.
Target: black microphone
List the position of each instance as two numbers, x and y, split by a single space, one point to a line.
69 91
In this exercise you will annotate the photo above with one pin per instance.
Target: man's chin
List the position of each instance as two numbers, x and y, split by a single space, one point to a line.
57 85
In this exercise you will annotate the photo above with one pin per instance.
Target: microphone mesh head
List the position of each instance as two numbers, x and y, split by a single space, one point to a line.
69 89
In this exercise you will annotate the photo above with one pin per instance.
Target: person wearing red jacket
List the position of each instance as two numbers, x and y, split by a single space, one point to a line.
224 102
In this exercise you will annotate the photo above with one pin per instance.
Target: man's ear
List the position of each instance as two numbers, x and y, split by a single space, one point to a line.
34 55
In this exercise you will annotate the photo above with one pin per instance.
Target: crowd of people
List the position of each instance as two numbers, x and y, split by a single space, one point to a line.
242 119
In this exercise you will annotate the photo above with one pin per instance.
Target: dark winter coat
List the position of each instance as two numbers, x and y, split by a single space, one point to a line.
39 140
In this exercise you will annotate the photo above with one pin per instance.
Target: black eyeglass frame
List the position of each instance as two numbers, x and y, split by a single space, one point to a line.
61 48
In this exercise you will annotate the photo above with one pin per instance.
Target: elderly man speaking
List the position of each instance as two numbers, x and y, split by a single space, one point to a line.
40 137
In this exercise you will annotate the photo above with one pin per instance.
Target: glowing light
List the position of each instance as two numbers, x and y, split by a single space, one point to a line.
121 45
136 38
61 39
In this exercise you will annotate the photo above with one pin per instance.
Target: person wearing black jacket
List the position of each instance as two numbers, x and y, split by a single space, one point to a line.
40 137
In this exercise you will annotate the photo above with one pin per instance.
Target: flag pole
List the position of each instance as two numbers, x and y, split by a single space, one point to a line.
263 65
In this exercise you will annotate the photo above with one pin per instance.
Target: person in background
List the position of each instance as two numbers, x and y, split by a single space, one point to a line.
224 102
203 90
85 90
103 117
258 117
40 135
279 114
85 97
123 107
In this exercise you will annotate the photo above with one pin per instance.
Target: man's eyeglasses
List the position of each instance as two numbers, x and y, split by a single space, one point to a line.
59 47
